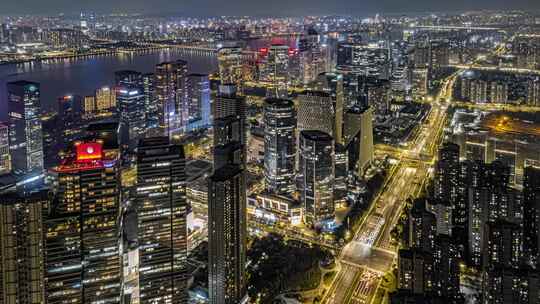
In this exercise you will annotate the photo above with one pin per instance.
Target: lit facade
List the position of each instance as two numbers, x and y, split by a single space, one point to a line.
5 158
171 95
198 87
25 130
82 260
131 108
279 145
227 236
21 247
162 221
316 173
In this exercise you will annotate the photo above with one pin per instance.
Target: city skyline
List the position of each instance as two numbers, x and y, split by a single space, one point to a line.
257 8
385 159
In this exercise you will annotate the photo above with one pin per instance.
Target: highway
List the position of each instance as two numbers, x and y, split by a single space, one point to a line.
371 251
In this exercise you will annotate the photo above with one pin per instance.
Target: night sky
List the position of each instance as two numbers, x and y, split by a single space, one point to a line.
258 7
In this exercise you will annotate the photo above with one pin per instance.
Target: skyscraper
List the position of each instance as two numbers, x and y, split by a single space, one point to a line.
366 140
82 259
376 93
171 93
277 71
363 59
5 158
25 132
162 212
279 145
70 119
105 99
150 102
316 112
316 170
198 92
489 199
332 83
231 66
447 173
127 77
227 236
229 146
21 247
531 215
229 103
131 108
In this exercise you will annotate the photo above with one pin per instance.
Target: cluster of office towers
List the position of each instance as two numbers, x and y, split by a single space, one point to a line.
69 241
72 244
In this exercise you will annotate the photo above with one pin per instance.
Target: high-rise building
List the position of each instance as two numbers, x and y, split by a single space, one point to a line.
25 131
341 164
429 277
365 156
421 226
364 59
229 146
332 83
131 109
531 215
82 260
415 271
21 247
316 112
499 92
150 102
105 99
5 157
447 173
198 87
276 71
376 93
70 118
508 285
314 60
127 78
89 106
227 236
448 187
229 103
446 270
171 94
231 66
279 145
504 243
316 173
439 53
229 127
162 213
488 199
431 54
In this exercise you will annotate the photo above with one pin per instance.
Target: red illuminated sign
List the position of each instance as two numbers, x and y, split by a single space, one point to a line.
87 152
